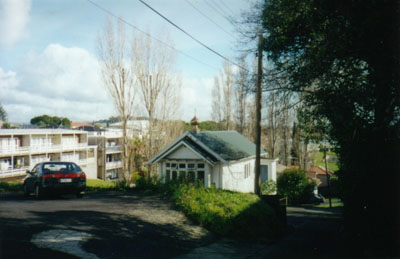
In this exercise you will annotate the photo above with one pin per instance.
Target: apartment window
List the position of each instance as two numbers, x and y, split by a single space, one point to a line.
91 152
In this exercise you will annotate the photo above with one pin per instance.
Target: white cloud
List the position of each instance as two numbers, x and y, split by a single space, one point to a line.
196 93
14 16
59 81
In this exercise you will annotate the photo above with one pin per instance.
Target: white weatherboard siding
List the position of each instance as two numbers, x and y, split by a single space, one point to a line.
183 152
271 163
238 176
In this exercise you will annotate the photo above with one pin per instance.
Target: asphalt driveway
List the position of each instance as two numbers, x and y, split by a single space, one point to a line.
101 225
128 225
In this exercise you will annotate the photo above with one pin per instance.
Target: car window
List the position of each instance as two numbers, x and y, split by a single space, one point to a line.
60 168
35 169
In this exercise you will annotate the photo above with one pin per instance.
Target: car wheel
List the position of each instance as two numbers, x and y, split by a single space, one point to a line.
26 192
38 192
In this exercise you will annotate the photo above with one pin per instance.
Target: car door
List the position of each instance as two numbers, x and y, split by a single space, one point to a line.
32 179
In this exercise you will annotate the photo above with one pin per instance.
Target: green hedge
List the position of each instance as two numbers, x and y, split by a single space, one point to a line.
241 215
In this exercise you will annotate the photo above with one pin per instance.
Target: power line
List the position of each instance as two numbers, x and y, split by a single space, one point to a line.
194 7
219 7
218 11
190 36
150 36
226 6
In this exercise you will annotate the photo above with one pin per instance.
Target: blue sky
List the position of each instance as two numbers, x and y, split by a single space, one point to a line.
48 62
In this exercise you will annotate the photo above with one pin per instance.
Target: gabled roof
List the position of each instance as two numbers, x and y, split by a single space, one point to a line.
213 146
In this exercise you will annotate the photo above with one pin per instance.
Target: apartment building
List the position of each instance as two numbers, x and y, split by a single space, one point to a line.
109 153
22 149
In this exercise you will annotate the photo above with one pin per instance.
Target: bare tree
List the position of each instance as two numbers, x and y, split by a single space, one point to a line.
222 104
227 79
159 86
241 90
117 76
216 101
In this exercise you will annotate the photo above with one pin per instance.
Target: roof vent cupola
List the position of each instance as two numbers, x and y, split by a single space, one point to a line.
195 125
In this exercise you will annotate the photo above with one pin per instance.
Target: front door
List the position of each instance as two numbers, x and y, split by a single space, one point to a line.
264 173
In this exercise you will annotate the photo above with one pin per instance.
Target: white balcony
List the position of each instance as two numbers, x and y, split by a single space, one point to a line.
13 150
13 172
113 149
114 164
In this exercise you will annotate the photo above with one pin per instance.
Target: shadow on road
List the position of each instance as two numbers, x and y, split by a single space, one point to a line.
116 234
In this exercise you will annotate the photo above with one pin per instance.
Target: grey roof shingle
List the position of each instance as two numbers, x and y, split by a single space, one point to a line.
230 145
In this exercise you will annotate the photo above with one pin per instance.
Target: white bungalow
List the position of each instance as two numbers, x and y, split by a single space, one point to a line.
225 159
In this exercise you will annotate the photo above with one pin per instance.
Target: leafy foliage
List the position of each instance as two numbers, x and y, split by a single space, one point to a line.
294 185
241 215
342 56
3 113
50 121
268 187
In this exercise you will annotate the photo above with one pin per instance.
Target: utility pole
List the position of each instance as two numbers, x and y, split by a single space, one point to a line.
328 179
257 188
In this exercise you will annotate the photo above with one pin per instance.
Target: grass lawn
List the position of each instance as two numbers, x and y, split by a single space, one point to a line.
13 186
320 161
336 202
92 185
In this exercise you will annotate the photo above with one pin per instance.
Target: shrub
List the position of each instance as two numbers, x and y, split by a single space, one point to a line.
268 187
241 215
294 185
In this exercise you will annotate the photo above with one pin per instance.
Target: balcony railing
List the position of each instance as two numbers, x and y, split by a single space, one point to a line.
12 150
13 172
111 149
114 164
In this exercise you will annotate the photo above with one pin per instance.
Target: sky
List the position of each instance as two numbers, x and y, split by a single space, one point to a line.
49 63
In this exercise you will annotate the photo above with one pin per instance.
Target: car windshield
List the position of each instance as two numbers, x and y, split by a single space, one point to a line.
60 168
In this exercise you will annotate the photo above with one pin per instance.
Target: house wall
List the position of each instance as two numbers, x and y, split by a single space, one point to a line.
238 176
271 163
183 153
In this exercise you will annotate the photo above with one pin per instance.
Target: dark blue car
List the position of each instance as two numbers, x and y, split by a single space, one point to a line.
55 177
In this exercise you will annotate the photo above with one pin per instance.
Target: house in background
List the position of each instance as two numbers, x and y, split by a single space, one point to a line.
318 174
135 128
225 159
21 149
82 126
109 153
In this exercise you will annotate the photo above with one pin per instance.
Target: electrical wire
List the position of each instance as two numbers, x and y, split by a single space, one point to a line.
208 18
149 35
190 36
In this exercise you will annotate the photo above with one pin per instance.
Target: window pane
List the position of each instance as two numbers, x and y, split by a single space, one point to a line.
181 175
191 166
174 175
182 165
168 165
200 176
173 165
191 176
168 175
200 166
